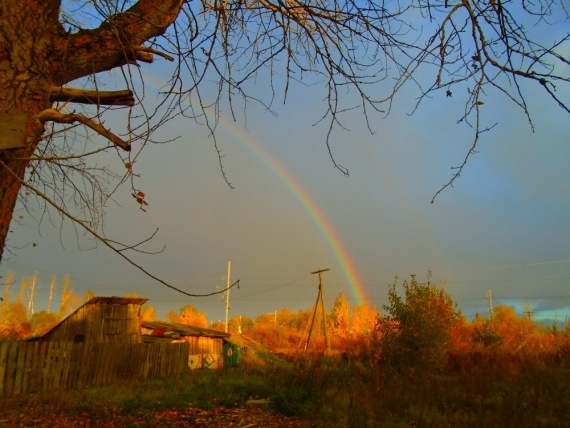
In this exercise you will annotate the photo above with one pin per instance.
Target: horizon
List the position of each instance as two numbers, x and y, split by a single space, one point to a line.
475 306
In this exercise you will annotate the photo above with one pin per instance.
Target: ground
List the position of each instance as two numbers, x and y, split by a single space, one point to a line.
18 415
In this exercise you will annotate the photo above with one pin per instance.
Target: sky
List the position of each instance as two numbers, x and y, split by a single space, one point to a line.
503 228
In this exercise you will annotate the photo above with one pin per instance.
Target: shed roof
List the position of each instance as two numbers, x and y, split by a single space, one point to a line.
184 329
117 300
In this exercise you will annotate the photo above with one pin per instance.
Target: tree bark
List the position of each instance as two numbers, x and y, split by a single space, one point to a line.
36 54
25 49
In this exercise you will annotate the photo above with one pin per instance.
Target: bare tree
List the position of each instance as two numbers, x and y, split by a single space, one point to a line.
66 66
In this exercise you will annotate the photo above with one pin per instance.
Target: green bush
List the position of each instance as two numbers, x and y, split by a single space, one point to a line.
416 333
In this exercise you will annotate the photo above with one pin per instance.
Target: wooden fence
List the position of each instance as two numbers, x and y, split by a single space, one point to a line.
41 366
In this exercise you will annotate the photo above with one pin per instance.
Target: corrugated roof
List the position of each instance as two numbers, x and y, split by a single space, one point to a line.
114 300
184 329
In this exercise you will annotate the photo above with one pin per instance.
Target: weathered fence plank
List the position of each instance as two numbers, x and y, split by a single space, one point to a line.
32 368
11 360
27 374
19 377
3 367
41 366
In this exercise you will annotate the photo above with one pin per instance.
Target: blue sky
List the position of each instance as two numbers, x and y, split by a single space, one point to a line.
504 226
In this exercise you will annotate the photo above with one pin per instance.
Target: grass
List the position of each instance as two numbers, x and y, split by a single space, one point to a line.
328 392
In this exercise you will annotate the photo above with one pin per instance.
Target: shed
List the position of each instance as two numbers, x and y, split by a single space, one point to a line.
100 320
206 345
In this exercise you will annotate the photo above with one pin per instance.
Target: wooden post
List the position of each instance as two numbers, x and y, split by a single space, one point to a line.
228 296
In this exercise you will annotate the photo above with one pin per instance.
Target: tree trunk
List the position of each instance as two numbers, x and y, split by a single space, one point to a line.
25 54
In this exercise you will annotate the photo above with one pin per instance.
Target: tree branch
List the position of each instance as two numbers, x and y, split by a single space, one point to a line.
87 96
117 41
54 115
145 54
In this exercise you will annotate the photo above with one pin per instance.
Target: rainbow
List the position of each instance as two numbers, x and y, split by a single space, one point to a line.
331 237
321 222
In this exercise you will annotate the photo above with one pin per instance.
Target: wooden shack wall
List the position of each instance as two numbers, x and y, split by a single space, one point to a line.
205 345
100 323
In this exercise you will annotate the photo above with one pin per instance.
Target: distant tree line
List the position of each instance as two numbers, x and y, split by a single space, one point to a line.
419 329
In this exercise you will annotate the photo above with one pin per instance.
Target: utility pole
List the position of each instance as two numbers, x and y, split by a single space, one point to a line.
320 272
528 311
320 296
228 296
529 314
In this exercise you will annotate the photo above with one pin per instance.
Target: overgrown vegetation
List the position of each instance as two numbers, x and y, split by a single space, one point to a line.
330 391
421 364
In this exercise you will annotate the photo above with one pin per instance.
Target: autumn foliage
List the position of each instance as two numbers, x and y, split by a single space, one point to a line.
190 315
18 318
419 330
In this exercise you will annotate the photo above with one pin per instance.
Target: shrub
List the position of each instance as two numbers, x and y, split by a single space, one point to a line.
416 333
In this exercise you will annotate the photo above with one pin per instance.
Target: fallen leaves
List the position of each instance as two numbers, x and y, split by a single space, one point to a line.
234 417
238 417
